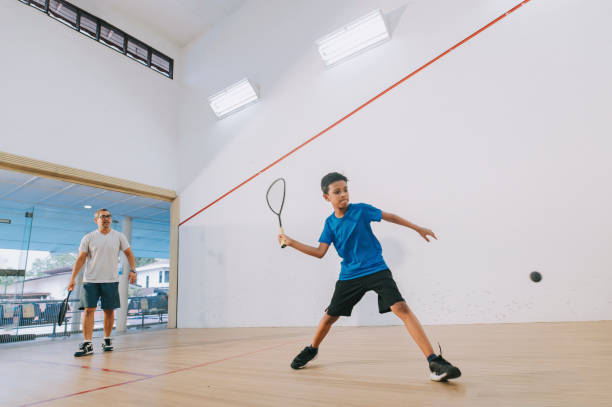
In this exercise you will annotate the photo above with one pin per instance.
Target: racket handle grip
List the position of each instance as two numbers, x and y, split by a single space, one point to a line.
283 243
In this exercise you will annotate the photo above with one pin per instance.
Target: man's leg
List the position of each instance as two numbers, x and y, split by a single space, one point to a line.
86 348
88 323
110 301
109 321
413 326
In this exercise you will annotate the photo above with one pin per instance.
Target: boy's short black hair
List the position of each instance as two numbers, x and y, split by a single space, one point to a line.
330 179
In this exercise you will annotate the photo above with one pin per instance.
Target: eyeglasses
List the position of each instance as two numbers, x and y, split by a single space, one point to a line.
105 216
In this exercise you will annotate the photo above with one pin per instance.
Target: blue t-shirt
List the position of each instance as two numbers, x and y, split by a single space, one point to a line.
354 241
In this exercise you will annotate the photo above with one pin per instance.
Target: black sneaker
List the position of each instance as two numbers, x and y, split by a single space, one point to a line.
442 370
85 348
305 356
107 345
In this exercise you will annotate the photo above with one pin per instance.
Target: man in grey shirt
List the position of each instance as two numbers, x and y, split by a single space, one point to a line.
100 250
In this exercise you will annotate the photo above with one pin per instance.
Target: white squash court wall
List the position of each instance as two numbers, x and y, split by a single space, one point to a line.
502 148
71 101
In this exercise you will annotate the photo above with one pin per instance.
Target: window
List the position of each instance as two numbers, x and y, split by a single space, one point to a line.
112 37
161 64
39 4
167 276
63 12
89 25
147 283
160 276
99 30
137 51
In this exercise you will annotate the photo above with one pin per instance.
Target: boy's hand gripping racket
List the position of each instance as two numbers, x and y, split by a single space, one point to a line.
63 309
275 196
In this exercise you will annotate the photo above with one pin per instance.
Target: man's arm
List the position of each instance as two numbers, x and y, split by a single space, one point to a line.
78 265
318 252
132 260
393 218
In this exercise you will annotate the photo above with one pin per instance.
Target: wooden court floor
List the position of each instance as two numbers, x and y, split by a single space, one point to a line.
543 364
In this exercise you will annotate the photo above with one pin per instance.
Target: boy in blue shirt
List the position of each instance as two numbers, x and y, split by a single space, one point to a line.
362 269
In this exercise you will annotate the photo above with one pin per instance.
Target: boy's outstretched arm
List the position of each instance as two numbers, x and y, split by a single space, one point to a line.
393 218
318 252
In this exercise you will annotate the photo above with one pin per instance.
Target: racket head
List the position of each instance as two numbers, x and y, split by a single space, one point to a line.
62 311
275 196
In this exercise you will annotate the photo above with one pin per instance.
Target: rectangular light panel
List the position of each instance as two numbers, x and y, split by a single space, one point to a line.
233 98
364 33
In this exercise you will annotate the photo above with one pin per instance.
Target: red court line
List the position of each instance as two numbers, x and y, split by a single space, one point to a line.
224 359
157 375
103 369
359 108
81 392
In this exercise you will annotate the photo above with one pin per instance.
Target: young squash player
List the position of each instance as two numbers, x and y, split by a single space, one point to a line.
362 269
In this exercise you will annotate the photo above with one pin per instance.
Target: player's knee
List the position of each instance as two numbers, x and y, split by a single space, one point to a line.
400 309
329 319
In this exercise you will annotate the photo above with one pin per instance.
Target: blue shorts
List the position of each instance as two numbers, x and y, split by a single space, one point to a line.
107 293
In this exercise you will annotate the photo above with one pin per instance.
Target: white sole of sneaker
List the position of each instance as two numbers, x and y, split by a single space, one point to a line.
451 374
437 378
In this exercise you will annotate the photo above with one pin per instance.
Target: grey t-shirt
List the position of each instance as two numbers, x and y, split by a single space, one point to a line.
102 255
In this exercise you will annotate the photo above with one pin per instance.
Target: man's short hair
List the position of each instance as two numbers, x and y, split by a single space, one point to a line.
330 179
97 213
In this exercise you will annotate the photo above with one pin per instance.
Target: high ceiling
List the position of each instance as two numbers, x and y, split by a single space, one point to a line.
60 218
179 20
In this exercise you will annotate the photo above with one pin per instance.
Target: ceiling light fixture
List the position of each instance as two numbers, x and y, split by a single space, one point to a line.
357 36
233 98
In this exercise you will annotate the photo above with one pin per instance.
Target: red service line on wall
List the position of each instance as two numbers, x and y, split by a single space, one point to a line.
513 9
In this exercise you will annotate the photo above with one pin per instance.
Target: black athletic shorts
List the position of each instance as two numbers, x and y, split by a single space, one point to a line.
349 292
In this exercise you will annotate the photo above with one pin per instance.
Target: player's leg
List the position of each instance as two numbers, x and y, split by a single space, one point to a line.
413 326
109 320
441 369
88 323
310 352
346 294
110 301
86 348
324 326
90 293
390 299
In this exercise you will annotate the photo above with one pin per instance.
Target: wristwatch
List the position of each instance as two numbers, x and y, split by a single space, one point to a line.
133 271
